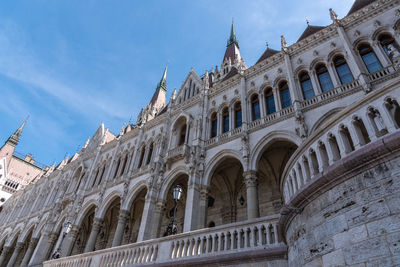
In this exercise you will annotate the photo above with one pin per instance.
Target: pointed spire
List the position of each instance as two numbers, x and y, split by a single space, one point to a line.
163 82
232 38
14 138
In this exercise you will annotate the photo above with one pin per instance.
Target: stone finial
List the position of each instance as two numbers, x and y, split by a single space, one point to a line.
206 80
283 43
334 16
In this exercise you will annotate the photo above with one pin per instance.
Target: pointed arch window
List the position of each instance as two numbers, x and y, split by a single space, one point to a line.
343 70
214 124
182 135
285 94
150 153
255 107
269 100
368 56
306 85
141 156
225 120
324 78
117 167
238 114
386 40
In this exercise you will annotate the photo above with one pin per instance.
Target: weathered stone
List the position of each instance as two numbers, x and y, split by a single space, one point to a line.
335 258
384 226
381 262
331 227
361 252
393 203
367 212
394 242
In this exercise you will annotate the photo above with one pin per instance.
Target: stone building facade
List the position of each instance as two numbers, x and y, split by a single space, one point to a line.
291 162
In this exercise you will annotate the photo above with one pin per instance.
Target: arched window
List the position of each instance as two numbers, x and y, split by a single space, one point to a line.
343 70
324 78
385 40
214 124
141 157
269 101
150 154
124 165
368 56
182 135
238 114
285 94
306 85
102 174
255 107
95 177
225 120
117 167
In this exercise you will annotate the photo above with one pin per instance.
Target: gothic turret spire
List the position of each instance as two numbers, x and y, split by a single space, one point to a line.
163 82
232 37
14 138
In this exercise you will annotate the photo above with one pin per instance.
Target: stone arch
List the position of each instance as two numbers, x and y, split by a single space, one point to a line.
271 137
132 194
381 30
361 40
59 224
175 173
107 202
279 79
84 210
5 235
300 69
14 236
324 118
31 227
218 158
233 101
315 62
334 53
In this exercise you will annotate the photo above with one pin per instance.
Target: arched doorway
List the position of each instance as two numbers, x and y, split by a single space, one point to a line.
84 232
167 215
131 230
270 167
106 234
227 194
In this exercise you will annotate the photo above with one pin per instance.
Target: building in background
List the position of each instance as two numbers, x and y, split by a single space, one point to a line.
16 170
294 161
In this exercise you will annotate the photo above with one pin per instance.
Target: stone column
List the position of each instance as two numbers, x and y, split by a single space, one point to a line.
4 254
119 232
97 223
203 205
250 178
68 244
157 216
147 223
18 247
29 252
192 206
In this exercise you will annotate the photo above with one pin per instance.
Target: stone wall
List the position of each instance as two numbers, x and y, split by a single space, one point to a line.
356 223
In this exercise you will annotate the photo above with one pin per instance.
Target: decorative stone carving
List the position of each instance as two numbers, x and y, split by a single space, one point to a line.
301 129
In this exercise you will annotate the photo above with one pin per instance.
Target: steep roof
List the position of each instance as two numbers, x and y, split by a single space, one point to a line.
358 4
230 74
310 30
267 53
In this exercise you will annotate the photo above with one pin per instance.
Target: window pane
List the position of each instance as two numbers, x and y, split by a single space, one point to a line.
371 62
270 105
238 118
325 82
344 73
308 91
226 124
285 96
214 128
256 111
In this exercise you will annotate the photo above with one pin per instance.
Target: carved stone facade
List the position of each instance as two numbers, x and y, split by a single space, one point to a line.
291 162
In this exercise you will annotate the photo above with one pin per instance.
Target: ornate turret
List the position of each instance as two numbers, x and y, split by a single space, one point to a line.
232 38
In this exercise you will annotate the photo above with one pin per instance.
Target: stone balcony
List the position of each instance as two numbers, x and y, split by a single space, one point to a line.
178 153
249 240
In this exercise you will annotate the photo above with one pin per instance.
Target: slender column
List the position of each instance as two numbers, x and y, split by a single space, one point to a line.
147 223
294 92
203 206
315 83
4 254
122 219
344 146
320 160
383 59
157 216
250 178
354 136
18 247
388 121
28 253
97 223
369 128
305 169
70 240
243 98
192 206
261 99
277 99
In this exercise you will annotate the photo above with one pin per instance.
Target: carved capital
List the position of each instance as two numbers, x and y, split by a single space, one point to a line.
250 178
73 233
19 246
97 223
33 242
123 216
204 190
160 204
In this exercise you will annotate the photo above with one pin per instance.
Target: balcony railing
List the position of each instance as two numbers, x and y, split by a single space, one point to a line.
260 233
224 136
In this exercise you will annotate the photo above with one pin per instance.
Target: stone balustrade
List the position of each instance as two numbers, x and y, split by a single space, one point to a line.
350 130
260 233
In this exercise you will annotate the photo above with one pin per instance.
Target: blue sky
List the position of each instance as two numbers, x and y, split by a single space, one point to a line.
72 64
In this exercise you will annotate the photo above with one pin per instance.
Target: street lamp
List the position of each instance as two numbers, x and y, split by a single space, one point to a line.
66 229
176 193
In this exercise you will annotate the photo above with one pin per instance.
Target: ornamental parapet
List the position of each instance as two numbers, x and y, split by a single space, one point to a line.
226 240
357 131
